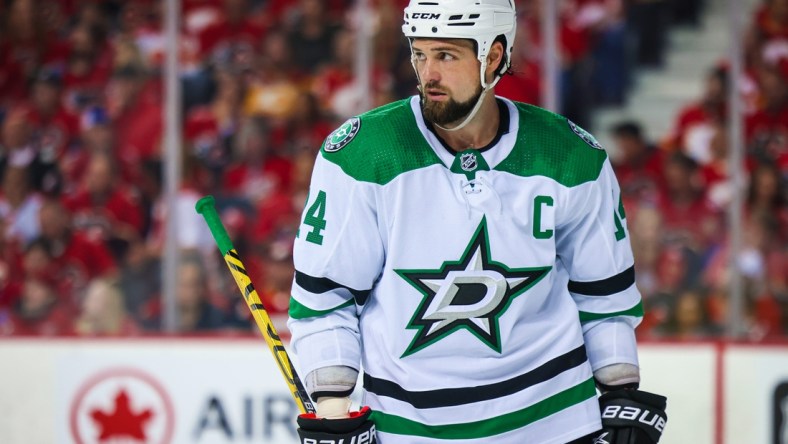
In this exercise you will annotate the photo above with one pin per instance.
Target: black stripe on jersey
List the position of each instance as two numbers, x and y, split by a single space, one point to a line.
467 395
323 285
605 287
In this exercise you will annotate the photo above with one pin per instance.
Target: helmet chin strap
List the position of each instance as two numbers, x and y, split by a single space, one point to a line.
471 114
485 88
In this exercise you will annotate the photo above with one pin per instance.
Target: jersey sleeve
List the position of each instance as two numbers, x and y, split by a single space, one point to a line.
338 256
593 246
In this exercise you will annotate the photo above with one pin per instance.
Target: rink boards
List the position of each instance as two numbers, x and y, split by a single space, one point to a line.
214 390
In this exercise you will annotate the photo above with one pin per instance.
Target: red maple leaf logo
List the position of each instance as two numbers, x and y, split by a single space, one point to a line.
122 422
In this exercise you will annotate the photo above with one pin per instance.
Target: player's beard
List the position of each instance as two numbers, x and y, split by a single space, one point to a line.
450 111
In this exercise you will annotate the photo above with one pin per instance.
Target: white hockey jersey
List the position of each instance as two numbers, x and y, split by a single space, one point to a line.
476 290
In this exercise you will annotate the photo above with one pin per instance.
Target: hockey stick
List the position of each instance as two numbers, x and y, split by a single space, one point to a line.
207 209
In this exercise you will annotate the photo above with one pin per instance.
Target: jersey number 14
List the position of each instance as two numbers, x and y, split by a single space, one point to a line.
315 217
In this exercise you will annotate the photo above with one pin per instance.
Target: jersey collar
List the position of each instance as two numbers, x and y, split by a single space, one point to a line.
493 153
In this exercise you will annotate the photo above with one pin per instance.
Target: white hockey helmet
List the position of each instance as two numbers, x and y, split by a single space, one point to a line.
479 20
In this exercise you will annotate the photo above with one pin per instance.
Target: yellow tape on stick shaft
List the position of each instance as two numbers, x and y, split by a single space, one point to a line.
207 209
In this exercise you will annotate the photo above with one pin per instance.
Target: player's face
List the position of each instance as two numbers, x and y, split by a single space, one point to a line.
449 78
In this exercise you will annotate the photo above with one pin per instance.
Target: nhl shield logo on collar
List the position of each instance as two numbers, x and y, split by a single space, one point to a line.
468 162
342 135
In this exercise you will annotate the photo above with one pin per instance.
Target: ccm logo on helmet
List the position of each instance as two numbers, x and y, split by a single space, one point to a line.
425 15
634 414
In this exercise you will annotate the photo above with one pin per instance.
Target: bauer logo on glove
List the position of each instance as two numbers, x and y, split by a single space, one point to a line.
631 413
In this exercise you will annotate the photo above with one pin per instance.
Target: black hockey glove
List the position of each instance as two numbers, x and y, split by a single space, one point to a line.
357 429
631 417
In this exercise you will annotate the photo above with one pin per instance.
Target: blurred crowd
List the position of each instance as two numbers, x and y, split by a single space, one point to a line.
82 214
677 192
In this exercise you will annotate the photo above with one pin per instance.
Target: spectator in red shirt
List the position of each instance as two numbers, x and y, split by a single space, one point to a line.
677 268
234 38
135 108
714 175
22 49
19 263
38 312
689 219
259 171
77 258
335 84
694 127
638 165
54 127
88 67
770 121
771 19
96 136
37 261
103 209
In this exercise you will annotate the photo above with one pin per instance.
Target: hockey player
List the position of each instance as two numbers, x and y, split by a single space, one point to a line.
470 255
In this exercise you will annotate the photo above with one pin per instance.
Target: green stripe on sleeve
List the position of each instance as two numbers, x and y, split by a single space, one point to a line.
299 311
636 311
485 428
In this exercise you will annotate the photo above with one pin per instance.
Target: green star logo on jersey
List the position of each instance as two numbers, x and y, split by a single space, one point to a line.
342 135
471 293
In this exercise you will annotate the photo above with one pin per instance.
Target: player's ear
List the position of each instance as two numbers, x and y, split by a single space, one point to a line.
494 59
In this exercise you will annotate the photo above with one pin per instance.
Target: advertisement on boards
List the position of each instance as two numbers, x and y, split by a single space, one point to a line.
196 394
228 391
